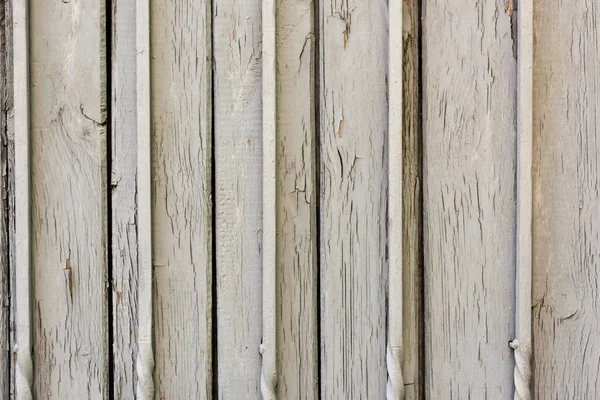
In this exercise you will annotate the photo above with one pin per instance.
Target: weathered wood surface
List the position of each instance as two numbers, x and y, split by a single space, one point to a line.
238 193
69 198
182 207
412 221
353 130
123 191
469 83
566 230
297 340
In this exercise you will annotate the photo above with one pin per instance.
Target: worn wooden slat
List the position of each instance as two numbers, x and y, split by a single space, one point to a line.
412 215
469 83
566 200
22 205
353 198
69 195
297 341
238 169
124 246
182 208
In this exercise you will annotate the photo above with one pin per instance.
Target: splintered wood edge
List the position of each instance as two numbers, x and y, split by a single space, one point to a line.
269 339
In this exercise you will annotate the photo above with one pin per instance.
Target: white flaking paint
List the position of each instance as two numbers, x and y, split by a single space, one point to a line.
23 345
522 343
145 357
395 345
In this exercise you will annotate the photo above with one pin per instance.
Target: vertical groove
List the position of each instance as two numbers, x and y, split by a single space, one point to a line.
522 343
24 366
394 353
269 284
317 99
145 359
109 208
213 176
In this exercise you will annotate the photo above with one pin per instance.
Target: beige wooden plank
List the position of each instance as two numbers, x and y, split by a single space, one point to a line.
469 119
238 168
69 186
566 202
297 340
182 207
353 192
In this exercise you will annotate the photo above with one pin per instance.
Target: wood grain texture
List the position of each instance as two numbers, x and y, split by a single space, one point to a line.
412 218
69 195
566 231
238 192
182 207
469 93
124 245
353 197
297 340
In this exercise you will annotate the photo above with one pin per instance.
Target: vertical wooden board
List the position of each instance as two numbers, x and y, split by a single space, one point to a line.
353 266
297 339
469 198
412 221
68 147
238 169
182 207
566 232
5 206
123 193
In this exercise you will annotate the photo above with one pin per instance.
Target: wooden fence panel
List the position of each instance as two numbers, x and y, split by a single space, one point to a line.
469 122
353 181
566 223
69 199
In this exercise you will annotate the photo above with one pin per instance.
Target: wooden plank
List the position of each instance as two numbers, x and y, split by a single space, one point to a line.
412 218
522 343
69 189
297 334
566 231
23 386
124 245
182 207
238 192
469 81
353 128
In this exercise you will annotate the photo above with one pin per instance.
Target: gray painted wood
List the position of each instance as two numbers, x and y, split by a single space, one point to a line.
566 230
353 197
469 93
297 340
182 207
123 192
69 189
412 221
238 192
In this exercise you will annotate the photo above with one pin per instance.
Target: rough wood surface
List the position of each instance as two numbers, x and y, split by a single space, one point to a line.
469 198
353 198
297 348
412 220
123 192
238 167
566 201
182 207
69 192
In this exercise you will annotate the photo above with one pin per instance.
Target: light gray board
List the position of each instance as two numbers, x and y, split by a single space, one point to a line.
353 174
566 203
182 208
69 198
297 348
238 192
469 100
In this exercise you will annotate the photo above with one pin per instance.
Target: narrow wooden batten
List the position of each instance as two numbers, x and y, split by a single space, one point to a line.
395 353
269 281
24 365
522 343
145 357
